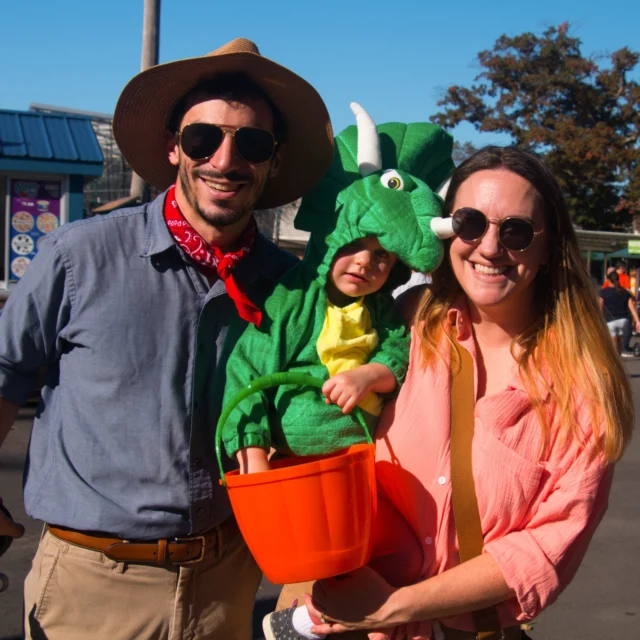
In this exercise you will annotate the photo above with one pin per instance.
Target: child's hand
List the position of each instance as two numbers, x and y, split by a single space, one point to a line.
346 389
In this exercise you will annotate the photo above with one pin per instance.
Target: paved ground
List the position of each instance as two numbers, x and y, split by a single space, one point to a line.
602 603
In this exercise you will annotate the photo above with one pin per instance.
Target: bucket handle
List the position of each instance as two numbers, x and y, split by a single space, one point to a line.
265 382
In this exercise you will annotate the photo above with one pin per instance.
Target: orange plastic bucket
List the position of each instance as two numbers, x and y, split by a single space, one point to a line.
307 517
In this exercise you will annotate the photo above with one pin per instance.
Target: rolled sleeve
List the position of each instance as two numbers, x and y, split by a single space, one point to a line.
540 561
31 322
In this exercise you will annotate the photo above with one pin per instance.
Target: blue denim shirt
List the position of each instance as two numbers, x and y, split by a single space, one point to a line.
134 341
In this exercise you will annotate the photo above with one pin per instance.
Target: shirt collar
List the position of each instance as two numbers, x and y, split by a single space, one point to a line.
157 235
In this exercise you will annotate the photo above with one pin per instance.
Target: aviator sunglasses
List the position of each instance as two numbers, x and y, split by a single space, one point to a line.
201 140
515 234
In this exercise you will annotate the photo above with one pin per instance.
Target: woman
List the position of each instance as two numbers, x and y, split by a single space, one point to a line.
616 303
553 413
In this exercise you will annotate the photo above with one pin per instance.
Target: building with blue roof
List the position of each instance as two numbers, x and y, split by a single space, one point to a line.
45 161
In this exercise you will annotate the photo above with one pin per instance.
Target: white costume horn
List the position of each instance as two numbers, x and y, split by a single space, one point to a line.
444 187
442 227
369 156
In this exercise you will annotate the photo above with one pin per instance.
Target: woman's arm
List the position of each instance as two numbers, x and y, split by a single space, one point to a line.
533 564
363 600
634 313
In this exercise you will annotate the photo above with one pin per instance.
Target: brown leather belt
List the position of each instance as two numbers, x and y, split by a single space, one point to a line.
508 633
185 550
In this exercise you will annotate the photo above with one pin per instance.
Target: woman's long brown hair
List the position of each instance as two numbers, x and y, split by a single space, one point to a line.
567 338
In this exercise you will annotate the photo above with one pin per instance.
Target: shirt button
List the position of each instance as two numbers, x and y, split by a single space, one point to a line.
428 540
196 463
442 480
200 512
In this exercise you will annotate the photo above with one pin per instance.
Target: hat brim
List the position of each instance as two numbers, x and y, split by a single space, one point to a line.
146 103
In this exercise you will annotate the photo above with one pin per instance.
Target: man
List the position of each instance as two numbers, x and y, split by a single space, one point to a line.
134 314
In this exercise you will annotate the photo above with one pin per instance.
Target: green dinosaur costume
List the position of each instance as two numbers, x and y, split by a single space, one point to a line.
381 184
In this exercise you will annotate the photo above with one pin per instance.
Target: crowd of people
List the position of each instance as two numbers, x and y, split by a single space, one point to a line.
619 305
139 539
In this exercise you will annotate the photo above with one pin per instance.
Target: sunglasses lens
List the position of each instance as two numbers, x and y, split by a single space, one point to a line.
200 140
516 234
469 224
254 145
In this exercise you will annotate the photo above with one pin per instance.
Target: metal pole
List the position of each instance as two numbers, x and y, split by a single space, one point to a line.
150 47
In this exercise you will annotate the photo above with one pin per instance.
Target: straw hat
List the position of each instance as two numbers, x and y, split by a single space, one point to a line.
146 103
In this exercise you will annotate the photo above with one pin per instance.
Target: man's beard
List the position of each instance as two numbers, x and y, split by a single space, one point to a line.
222 216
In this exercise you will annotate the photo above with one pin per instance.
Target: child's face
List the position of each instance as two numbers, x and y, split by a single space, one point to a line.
360 268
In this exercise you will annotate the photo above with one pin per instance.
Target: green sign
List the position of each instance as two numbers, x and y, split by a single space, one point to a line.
634 246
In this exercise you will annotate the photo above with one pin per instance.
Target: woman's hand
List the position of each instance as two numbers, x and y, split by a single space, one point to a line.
356 600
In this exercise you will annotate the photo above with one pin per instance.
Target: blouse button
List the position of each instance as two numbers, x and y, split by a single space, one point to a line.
442 480
428 540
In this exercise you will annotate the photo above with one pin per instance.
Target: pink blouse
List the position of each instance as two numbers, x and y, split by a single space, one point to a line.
538 511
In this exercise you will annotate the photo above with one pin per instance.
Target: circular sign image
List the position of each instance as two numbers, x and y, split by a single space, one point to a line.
22 244
22 221
47 222
19 266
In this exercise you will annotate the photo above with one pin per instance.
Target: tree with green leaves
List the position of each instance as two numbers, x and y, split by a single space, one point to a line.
581 114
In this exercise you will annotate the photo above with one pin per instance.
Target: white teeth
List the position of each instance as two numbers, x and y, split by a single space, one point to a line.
489 271
220 187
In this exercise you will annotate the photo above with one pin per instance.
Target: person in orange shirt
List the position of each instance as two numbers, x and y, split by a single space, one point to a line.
550 420
623 276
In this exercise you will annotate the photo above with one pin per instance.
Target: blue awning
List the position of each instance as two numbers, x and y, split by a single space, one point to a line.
40 142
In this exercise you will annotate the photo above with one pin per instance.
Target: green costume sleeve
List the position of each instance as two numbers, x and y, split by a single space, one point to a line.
393 348
258 352
284 342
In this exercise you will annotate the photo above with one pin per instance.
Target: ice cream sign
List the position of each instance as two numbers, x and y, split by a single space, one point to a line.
35 212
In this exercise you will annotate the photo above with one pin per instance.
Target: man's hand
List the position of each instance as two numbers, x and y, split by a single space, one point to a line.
7 526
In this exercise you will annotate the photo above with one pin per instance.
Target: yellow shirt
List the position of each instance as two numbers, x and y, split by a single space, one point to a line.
346 342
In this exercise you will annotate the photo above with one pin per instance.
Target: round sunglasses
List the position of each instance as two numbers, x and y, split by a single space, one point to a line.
201 140
515 234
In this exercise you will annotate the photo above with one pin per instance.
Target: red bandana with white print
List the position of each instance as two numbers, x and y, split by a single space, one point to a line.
211 259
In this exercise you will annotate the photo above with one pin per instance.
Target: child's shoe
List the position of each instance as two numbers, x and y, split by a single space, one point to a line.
278 625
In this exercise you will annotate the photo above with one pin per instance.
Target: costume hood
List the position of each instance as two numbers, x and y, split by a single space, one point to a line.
382 183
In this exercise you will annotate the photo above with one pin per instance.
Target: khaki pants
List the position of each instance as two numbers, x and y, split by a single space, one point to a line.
72 593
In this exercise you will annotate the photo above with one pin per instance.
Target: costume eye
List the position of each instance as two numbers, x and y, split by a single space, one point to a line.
391 180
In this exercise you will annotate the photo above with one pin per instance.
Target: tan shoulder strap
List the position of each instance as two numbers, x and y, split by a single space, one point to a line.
463 490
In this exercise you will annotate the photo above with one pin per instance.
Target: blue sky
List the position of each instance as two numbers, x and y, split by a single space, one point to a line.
395 59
